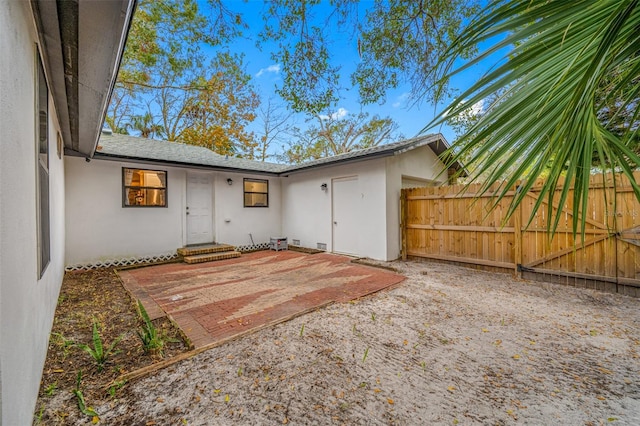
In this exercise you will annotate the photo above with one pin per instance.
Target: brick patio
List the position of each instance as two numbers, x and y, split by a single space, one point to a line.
217 300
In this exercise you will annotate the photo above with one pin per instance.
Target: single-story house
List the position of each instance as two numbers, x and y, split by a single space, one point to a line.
59 64
70 195
140 199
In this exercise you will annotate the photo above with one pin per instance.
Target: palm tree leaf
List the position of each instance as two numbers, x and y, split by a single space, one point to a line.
546 124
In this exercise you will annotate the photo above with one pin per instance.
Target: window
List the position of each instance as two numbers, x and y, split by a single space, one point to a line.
256 193
144 188
42 186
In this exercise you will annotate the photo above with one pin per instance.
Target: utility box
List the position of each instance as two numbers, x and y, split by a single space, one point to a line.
278 243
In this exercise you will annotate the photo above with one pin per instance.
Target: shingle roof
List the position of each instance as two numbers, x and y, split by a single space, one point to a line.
134 148
376 151
141 149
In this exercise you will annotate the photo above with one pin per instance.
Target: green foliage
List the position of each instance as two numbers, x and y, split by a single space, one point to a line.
98 352
152 339
557 79
310 80
401 42
169 85
51 389
165 69
170 33
82 405
38 415
145 126
336 134
396 42
216 116
63 342
115 387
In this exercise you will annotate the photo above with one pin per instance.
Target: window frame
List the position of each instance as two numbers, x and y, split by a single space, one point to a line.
42 148
245 192
125 187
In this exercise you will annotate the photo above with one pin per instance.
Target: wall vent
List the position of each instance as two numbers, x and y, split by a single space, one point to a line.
322 246
295 242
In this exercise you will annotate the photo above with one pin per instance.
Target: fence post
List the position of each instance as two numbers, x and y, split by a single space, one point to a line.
517 240
403 223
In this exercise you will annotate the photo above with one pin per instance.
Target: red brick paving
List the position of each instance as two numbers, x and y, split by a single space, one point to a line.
216 300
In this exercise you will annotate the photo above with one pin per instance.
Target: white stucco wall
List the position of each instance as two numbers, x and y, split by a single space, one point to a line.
234 222
307 210
417 164
27 304
100 229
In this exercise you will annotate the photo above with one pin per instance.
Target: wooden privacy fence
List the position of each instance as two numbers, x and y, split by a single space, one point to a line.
444 223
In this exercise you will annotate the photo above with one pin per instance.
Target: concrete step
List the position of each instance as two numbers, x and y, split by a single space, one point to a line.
210 257
204 248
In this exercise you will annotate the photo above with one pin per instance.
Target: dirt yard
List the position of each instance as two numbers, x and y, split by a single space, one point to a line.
449 345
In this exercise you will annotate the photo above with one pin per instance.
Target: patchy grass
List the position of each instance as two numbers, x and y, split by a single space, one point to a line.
85 297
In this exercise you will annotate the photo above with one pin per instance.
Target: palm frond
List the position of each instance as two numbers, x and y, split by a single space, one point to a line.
546 123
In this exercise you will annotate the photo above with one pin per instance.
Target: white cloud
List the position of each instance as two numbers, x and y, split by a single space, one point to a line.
342 112
472 111
401 100
477 108
271 68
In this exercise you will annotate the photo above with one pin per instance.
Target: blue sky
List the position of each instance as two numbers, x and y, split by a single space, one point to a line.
266 74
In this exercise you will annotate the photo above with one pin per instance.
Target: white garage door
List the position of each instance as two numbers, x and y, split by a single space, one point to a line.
346 215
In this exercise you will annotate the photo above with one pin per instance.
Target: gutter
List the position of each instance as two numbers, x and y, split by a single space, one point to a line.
284 172
294 170
131 8
109 157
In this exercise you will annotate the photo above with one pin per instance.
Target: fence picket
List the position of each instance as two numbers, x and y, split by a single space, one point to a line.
447 225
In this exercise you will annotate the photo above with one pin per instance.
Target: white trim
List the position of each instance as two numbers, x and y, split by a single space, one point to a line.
128 261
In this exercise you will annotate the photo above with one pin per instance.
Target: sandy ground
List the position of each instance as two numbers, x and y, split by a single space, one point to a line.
450 345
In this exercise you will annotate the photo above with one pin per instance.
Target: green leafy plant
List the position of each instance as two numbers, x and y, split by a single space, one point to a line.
366 353
115 387
98 352
38 416
568 103
152 340
87 411
63 342
51 389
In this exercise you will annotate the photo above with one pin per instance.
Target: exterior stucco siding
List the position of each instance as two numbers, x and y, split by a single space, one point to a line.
27 303
100 229
307 209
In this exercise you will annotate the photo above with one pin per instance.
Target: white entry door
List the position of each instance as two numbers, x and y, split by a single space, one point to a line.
346 215
199 209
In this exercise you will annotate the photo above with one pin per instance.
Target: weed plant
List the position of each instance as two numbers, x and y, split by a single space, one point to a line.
98 352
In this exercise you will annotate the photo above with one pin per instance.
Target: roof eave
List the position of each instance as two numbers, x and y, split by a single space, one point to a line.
302 168
82 43
169 163
390 151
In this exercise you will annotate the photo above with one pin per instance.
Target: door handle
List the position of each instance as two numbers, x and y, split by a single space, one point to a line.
335 223
187 213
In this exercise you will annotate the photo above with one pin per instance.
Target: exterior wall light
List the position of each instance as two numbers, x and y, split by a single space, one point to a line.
229 181
323 186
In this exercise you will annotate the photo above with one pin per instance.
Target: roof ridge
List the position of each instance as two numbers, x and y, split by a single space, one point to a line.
179 153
